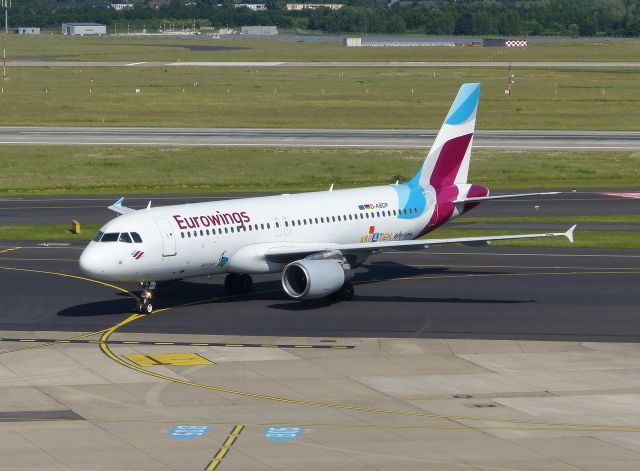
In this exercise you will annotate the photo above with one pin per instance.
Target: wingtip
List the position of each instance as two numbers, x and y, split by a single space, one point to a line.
119 202
569 233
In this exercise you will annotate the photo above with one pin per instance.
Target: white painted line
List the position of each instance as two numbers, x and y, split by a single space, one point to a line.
136 63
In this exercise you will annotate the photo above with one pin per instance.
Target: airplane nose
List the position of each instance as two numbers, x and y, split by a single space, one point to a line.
90 262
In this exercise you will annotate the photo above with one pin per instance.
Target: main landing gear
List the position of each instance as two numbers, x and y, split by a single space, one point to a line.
145 306
238 284
343 294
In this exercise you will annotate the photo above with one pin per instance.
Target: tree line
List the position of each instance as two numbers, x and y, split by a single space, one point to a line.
438 17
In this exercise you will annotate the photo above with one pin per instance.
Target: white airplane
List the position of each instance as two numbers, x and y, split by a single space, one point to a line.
315 239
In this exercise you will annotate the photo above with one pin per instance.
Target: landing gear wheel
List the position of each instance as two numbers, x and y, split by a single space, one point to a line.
145 306
346 292
238 284
343 294
230 284
244 283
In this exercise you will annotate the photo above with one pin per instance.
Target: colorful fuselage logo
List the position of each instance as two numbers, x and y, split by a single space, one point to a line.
137 254
374 236
222 261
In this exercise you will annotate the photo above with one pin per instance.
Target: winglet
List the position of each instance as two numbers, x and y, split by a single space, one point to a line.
569 233
118 208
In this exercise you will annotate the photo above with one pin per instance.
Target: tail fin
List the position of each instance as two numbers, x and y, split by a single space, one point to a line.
448 160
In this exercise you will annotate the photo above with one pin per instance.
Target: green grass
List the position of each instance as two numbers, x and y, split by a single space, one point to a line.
47 232
583 239
64 170
57 47
338 97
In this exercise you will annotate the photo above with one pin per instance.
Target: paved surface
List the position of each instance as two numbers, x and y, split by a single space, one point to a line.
93 209
546 64
425 385
568 140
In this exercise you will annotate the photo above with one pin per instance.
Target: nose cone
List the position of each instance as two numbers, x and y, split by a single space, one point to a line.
90 262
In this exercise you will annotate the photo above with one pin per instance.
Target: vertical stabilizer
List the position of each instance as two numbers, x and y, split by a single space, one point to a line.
448 160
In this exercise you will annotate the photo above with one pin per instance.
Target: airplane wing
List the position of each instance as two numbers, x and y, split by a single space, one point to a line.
478 199
118 208
280 254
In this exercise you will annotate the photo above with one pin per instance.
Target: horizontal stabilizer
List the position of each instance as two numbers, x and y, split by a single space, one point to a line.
118 208
502 197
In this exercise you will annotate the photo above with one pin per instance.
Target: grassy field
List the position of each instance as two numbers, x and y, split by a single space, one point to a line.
393 97
583 239
57 47
64 170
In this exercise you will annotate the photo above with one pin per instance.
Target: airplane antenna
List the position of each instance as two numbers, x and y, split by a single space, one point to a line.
331 189
149 206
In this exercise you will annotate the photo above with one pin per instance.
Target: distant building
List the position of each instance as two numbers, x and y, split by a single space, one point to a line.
313 6
121 6
251 6
83 29
27 30
260 30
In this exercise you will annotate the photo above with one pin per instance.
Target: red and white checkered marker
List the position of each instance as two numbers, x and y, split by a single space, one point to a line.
516 43
631 195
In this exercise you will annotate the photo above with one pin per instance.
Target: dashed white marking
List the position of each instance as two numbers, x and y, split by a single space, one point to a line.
136 63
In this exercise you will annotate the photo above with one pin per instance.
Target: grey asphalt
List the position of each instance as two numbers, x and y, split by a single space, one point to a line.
93 209
491 293
369 138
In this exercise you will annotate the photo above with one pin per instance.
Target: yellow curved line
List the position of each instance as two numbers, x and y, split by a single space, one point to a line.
104 346
89 334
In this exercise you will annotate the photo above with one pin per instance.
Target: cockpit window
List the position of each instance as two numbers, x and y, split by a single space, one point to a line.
110 237
136 237
98 236
124 237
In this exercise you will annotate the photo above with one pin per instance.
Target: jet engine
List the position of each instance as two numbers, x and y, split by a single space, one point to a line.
313 279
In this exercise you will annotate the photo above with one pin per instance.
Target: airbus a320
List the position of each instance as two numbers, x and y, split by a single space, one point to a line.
314 239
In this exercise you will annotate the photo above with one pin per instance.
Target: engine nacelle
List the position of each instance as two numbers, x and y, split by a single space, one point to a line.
313 279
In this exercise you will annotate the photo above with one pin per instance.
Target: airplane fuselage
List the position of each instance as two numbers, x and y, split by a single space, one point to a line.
210 238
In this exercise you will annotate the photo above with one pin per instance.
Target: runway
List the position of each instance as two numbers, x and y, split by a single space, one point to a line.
369 138
93 209
448 293
490 64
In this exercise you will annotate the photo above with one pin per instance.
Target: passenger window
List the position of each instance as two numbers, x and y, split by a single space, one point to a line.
316 220
322 220
250 228
182 234
124 237
98 236
268 226
367 215
201 232
293 222
111 237
207 231
189 234
262 226
286 223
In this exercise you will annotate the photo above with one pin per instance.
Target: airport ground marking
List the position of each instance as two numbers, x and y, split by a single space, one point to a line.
10 250
105 347
169 359
224 449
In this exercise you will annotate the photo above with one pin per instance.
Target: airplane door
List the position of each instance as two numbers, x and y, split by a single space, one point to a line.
168 238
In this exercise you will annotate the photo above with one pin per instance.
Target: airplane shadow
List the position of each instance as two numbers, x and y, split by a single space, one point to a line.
204 292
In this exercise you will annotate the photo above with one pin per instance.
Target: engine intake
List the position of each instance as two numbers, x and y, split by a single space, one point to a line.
313 279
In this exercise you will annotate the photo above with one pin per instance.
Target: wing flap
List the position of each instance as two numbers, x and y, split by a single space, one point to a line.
308 249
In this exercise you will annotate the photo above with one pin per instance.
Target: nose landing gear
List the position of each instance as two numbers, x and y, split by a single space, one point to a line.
145 306
238 284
